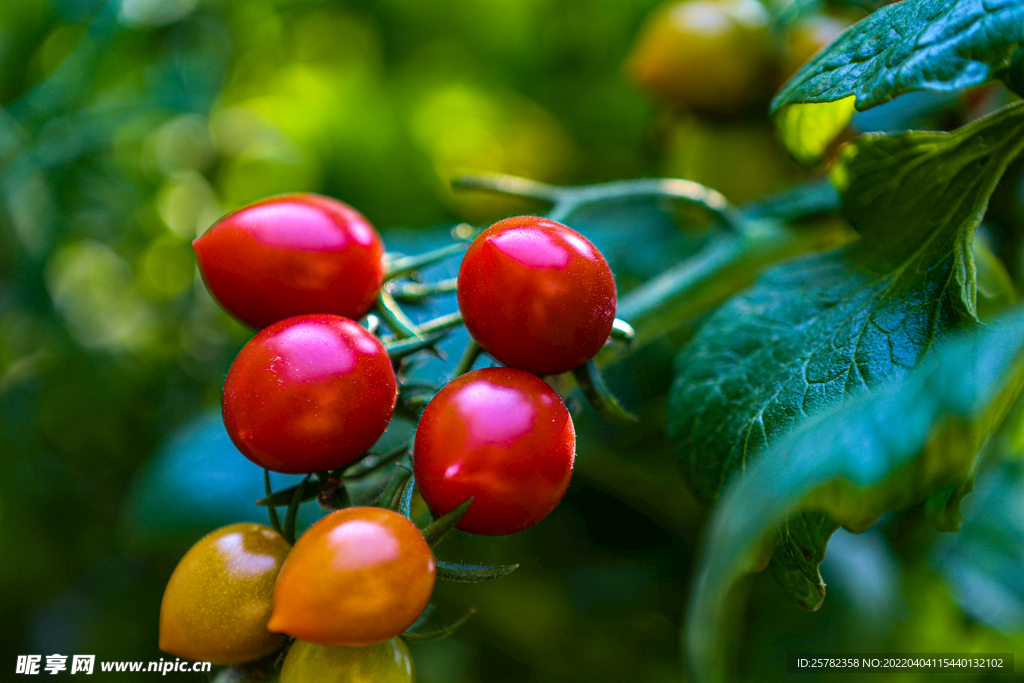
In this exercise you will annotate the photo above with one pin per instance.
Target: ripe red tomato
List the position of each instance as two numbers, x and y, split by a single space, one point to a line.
536 295
709 55
217 602
292 254
309 394
502 437
387 662
357 577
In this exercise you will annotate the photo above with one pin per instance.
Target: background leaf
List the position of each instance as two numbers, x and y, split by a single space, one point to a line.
939 45
817 329
856 462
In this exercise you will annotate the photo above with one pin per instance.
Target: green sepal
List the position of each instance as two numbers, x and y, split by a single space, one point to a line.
600 398
392 491
440 527
371 463
469 573
405 504
437 634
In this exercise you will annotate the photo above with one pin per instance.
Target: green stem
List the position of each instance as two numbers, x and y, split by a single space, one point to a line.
275 521
388 309
415 292
567 200
674 188
510 185
469 356
403 265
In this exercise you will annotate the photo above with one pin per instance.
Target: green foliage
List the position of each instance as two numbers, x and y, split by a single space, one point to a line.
856 462
939 45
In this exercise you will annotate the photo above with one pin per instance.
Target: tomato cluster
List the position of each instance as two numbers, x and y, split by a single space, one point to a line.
314 389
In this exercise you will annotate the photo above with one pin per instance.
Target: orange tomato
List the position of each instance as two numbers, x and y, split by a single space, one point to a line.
357 577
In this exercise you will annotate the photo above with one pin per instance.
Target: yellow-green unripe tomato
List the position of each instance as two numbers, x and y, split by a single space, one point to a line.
387 662
218 600
708 55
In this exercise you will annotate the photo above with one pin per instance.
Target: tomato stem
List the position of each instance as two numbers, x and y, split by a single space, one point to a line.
288 528
469 357
416 292
396 266
275 521
388 309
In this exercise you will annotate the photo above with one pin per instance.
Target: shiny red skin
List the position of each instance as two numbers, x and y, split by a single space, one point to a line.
309 394
504 438
292 254
536 295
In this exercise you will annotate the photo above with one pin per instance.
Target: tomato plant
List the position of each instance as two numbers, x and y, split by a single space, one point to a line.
387 662
292 254
359 576
536 295
502 437
218 600
709 55
309 393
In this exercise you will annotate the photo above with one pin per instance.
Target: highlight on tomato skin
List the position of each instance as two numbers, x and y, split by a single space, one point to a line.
537 295
387 662
292 254
309 394
501 436
357 577
218 600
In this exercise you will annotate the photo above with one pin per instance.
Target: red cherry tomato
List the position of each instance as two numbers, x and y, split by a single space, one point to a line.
536 295
502 437
289 255
357 577
309 394
217 602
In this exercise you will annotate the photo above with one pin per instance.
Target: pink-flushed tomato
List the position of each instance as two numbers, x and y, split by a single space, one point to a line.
359 576
292 254
536 295
309 394
504 438
218 600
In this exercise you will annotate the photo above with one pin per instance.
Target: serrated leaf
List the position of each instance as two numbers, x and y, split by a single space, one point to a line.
470 573
855 462
818 329
939 45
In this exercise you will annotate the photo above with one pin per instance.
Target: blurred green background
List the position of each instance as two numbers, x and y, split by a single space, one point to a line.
127 128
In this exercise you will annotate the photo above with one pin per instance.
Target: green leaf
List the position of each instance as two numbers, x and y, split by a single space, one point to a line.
856 462
940 45
820 328
469 573
807 130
